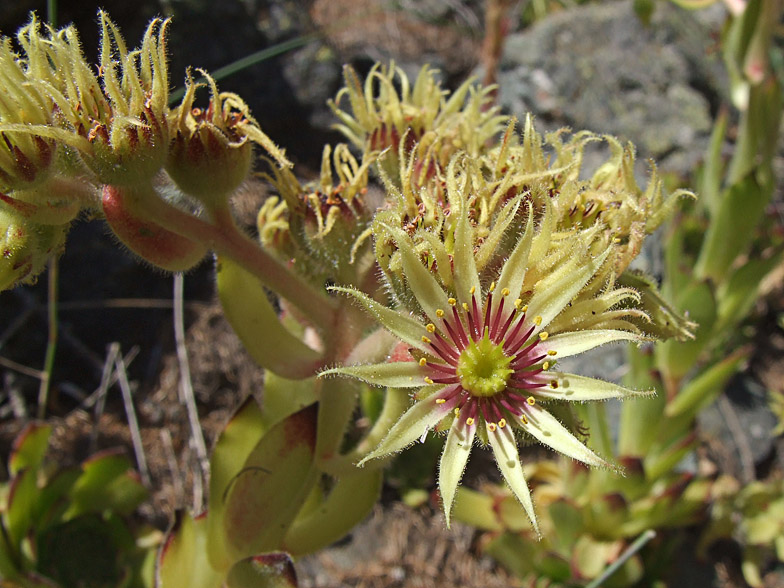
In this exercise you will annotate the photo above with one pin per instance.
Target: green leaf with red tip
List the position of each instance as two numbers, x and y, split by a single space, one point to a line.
269 570
248 310
182 559
20 506
29 448
267 493
348 503
242 433
106 483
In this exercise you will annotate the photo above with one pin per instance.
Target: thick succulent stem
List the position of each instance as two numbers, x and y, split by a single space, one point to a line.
225 238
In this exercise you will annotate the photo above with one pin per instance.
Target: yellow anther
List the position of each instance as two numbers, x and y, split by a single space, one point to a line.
465 306
531 400
553 384
472 291
431 328
502 423
457 411
518 303
452 301
425 339
616 240
423 362
491 427
428 380
524 308
523 419
552 353
545 365
543 335
538 320
470 421
439 313
440 400
492 287
506 292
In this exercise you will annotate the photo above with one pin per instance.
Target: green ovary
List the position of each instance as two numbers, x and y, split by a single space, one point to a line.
483 368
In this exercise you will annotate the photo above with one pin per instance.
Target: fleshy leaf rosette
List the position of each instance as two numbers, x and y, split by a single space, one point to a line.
483 356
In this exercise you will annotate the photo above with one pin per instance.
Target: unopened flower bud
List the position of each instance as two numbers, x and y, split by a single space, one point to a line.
210 155
327 223
145 237
116 121
388 112
24 158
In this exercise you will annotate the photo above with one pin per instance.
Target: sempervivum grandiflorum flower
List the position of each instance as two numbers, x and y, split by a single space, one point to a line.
483 356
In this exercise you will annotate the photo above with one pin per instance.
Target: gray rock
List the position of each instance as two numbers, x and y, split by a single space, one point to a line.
743 424
597 67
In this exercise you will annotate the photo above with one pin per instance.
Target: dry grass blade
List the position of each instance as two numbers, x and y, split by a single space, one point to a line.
100 394
171 458
100 391
133 423
186 393
22 369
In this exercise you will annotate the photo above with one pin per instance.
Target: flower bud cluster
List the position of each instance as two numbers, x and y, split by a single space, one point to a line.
323 225
421 119
440 152
71 132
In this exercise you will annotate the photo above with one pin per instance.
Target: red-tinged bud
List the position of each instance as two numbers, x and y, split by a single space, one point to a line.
128 152
211 154
142 235
326 222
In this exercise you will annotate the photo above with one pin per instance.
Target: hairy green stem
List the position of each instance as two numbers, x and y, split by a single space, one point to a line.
225 238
